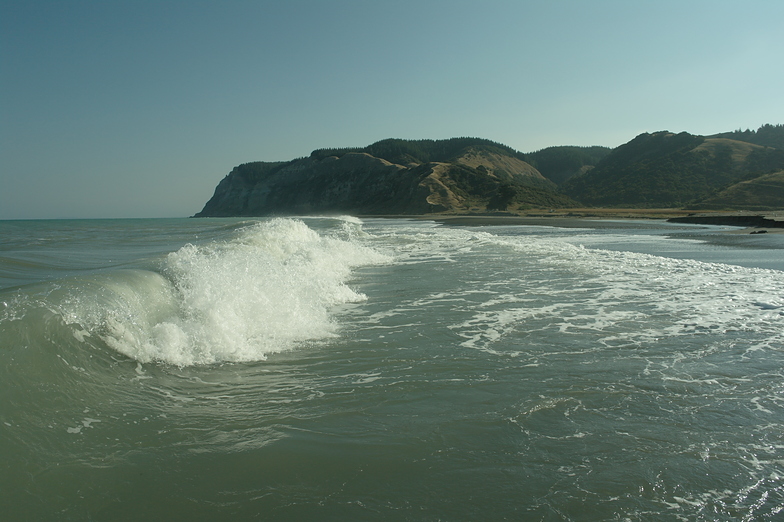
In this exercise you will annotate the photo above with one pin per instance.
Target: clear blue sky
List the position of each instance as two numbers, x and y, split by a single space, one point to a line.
138 108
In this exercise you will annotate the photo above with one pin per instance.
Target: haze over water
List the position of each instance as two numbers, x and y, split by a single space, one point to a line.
346 369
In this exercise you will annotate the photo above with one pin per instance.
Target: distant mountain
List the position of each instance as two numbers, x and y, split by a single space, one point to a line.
389 177
735 170
671 170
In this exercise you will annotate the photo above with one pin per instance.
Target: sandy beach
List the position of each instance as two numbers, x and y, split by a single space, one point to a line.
588 217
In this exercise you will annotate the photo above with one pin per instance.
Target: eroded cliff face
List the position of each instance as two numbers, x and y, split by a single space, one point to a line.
363 184
357 183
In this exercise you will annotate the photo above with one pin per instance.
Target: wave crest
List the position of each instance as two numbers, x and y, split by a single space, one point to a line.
269 288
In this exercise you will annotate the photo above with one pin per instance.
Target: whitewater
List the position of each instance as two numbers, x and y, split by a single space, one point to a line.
337 368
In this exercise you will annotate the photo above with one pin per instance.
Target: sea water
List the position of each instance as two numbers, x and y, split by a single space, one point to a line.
335 368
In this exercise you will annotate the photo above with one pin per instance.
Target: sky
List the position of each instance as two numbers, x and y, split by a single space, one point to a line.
136 108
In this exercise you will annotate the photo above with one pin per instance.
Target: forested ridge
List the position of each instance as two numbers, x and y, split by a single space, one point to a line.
732 170
767 135
403 152
664 169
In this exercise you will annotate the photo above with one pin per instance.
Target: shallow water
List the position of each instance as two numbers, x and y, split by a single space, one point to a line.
336 368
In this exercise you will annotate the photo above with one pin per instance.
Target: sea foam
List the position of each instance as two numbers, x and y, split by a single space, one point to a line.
266 290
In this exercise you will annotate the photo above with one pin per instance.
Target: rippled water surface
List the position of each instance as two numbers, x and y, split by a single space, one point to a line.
346 369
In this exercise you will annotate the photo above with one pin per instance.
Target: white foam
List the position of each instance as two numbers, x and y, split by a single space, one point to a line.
269 289
550 284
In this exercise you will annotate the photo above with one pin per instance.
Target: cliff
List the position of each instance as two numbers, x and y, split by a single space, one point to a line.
448 176
472 175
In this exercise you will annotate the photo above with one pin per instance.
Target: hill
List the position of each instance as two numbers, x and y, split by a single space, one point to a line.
765 192
767 135
389 177
736 170
663 169
558 164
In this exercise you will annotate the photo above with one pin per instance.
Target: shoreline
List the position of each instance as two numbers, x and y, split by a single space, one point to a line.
749 222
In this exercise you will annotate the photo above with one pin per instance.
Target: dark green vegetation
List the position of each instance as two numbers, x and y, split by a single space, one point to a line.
404 152
767 136
736 170
676 170
393 176
558 164
765 192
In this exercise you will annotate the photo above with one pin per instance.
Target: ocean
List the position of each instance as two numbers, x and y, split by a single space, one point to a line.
336 368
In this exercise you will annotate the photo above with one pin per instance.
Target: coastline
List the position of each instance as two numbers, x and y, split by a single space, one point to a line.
750 247
748 222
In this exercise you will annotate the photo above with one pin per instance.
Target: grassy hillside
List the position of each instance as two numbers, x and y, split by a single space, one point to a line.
670 170
461 175
763 193
768 136
736 170
404 152
500 162
558 164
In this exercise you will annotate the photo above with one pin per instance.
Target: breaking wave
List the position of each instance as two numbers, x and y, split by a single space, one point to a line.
269 288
